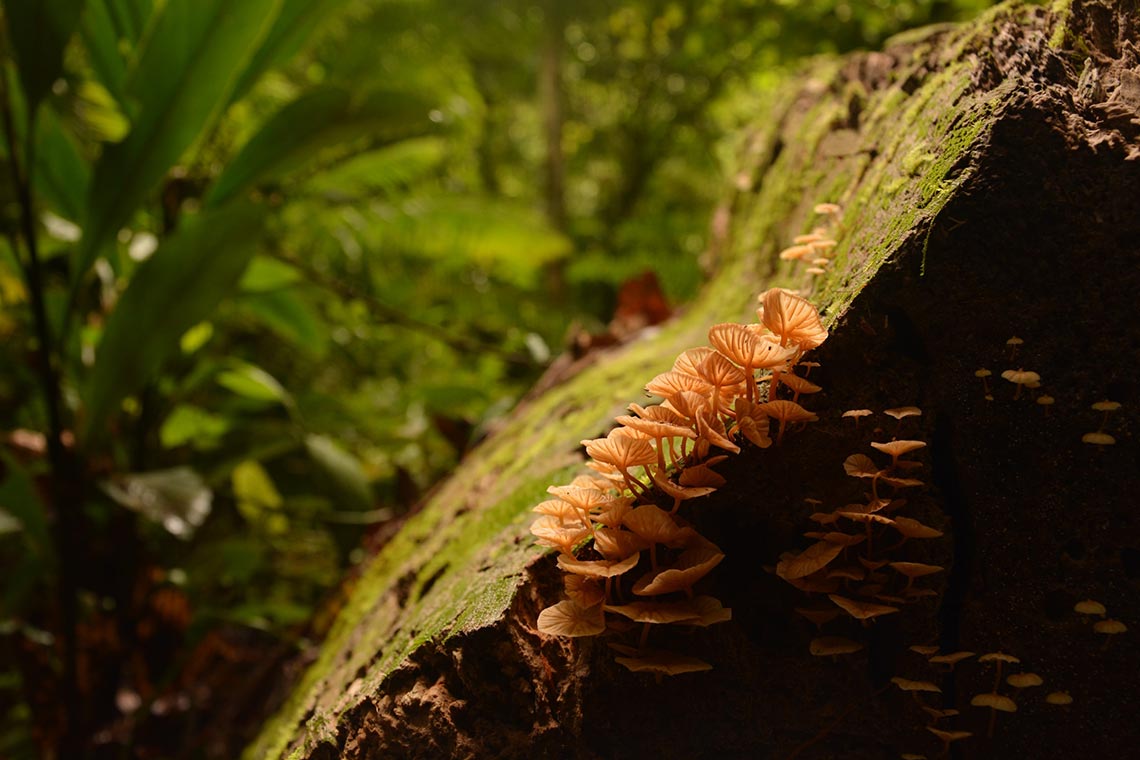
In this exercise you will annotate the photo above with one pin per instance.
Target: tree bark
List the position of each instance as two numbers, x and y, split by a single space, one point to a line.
990 180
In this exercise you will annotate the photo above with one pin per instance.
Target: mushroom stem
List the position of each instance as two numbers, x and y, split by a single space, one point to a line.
993 722
644 635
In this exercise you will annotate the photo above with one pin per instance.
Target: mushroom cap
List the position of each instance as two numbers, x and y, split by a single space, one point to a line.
599 568
562 535
655 428
795 252
587 592
746 348
661 661
903 412
680 492
994 702
1024 680
916 569
810 560
857 413
701 476
924 650
1106 406
799 384
791 317
1014 341
558 508
717 370
1098 438
568 618
861 610
949 736
1089 607
1021 376
1046 400
616 544
786 411
833 645
908 685
953 658
693 564
982 373
898 448
688 360
819 617
912 528
656 612
583 498
827 208
659 413
622 453
816 270
669 384
710 611
1110 627
654 524
861 466
688 403
1059 698
998 657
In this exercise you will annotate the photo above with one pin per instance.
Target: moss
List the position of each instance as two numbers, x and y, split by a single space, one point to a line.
456 565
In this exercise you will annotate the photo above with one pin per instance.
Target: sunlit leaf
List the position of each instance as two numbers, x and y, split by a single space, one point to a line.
174 289
385 170
192 425
254 383
322 117
255 492
266 273
185 71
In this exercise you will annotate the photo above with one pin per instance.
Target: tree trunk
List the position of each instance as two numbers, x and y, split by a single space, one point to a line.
990 179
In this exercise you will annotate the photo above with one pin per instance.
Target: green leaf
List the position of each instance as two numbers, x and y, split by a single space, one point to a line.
386 170
323 117
62 175
177 287
38 31
184 73
344 472
291 317
266 273
192 425
252 382
294 24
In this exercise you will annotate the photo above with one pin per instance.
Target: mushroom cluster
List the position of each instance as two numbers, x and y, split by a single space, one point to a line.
814 248
852 560
621 533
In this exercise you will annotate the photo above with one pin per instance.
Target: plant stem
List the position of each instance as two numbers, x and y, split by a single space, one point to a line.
66 486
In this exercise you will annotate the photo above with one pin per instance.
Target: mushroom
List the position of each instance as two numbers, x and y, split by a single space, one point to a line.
785 412
951 659
898 448
1108 407
1024 680
569 618
1046 401
948 736
792 318
1059 698
819 617
914 686
661 662
831 209
1098 438
856 414
1020 377
901 413
623 453
1000 658
833 646
995 702
1013 343
1109 628
810 560
657 431
742 346
914 570
1090 607
984 374
552 531
693 564
924 650
861 610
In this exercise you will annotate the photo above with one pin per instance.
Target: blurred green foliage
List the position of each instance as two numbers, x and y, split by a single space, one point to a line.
269 267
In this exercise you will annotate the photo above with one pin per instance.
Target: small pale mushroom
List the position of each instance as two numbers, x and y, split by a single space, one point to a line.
832 646
810 237
1098 439
810 560
901 413
924 649
830 209
1000 658
556 533
995 702
1021 378
1013 343
693 564
984 374
1090 607
819 617
861 610
1024 680
897 449
951 659
792 318
1109 628
1059 698
911 528
908 685
948 736
914 570
623 454
785 412
856 414
568 618
816 271
1046 401
1108 407
662 663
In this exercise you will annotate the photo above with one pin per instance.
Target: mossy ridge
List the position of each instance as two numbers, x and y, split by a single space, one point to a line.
531 451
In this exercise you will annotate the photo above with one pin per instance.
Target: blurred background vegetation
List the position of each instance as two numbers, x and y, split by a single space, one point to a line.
270 267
